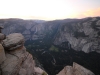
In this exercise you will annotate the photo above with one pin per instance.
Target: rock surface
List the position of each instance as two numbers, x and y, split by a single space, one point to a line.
75 70
13 41
2 54
17 61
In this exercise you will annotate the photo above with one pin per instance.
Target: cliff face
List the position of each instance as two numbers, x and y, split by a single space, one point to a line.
32 30
14 59
75 70
82 36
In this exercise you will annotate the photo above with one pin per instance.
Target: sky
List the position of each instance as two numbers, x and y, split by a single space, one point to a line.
49 9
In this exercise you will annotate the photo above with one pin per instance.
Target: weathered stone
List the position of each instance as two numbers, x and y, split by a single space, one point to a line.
75 70
22 72
68 70
19 62
12 64
13 41
80 70
39 71
2 36
28 64
2 54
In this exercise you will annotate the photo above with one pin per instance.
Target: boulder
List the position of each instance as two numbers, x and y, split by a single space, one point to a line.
18 62
13 41
80 70
75 70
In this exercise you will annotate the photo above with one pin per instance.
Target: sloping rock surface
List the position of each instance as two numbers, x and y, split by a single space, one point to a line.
75 70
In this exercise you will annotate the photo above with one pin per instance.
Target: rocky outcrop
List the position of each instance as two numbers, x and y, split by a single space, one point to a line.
15 60
13 41
75 70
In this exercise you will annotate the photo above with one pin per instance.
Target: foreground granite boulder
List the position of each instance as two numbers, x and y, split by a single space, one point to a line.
19 62
75 70
13 41
16 60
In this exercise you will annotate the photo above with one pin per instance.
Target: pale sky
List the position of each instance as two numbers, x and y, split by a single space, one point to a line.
49 9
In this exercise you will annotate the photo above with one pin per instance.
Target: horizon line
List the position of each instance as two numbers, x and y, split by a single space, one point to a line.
49 19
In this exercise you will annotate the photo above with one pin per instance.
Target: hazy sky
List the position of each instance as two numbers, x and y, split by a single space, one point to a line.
49 9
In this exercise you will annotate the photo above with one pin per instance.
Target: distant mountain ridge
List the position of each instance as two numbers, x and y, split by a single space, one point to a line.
73 31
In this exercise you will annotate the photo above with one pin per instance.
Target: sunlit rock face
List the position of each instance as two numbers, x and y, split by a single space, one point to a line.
15 60
75 70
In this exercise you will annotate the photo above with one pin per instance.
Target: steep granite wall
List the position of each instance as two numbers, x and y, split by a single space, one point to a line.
82 36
